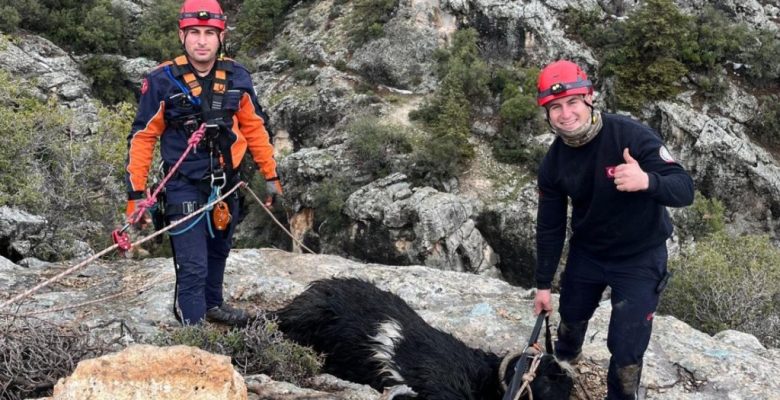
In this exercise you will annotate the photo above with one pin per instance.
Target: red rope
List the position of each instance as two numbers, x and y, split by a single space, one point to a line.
151 199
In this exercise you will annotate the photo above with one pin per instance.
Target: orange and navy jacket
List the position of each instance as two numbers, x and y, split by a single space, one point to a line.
162 103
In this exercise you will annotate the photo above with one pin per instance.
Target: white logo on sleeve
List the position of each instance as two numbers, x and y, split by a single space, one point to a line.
665 154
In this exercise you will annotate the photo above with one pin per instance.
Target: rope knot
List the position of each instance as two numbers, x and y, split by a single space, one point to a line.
196 136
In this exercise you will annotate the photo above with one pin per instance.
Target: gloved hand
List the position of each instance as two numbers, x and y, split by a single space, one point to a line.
273 188
142 222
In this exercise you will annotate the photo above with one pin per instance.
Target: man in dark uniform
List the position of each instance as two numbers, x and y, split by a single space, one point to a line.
620 178
200 87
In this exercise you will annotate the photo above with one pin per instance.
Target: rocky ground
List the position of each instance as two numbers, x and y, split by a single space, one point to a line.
681 363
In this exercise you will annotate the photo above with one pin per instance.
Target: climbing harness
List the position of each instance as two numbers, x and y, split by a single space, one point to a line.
526 365
120 236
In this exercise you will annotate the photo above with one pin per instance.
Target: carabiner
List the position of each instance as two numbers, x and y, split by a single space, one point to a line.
218 179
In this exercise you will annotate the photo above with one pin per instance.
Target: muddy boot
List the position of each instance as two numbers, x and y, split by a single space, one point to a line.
227 315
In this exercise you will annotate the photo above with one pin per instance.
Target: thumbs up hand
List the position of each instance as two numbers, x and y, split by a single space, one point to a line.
629 176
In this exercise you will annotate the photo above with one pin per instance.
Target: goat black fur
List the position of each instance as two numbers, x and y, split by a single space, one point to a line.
371 336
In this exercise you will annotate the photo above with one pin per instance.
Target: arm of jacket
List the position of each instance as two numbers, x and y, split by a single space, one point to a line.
669 184
147 127
251 124
550 228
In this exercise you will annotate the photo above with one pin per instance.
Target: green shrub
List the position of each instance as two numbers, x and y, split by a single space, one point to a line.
650 52
258 21
9 19
520 117
465 84
712 86
329 198
376 147
650 60
286 52
259 348
98 30
74 182
446 151
719 39
728 282
108 81
702 219
92 26
368 19
761 54
519 109
158 38
765 125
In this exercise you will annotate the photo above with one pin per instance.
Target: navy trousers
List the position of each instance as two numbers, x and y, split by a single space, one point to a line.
200 259
633 281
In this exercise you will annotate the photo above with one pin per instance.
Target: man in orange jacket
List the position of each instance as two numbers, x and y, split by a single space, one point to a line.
176 99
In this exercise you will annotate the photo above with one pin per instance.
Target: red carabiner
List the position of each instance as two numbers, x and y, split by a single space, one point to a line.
122 240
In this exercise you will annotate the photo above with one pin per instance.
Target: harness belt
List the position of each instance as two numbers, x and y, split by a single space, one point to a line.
184 208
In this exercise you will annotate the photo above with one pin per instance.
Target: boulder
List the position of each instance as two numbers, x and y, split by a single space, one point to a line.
150 372
394 223
402 58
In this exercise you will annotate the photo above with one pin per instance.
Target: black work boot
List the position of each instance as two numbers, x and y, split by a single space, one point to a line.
227 315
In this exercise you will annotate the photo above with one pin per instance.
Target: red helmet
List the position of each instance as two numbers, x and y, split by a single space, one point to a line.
560 79
201 13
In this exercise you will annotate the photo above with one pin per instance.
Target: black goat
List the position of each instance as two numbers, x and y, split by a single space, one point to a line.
373 337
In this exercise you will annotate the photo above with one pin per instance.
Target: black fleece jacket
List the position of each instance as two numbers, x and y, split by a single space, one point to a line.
605 221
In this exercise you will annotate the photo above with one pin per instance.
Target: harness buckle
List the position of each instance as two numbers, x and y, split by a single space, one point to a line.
212 131
189 207
218 179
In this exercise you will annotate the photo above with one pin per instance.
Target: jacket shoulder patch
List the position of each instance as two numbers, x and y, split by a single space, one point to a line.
665 155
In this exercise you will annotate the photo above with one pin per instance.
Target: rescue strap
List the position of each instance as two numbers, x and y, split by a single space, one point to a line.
119 236
525 367
111 248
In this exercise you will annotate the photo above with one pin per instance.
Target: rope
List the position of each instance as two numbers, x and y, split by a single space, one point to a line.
271 214
139 289
105 251
528 377
151 198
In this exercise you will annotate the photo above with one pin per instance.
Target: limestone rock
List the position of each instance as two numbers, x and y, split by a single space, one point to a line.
320 387
52 72
150 372
393 223
402 58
